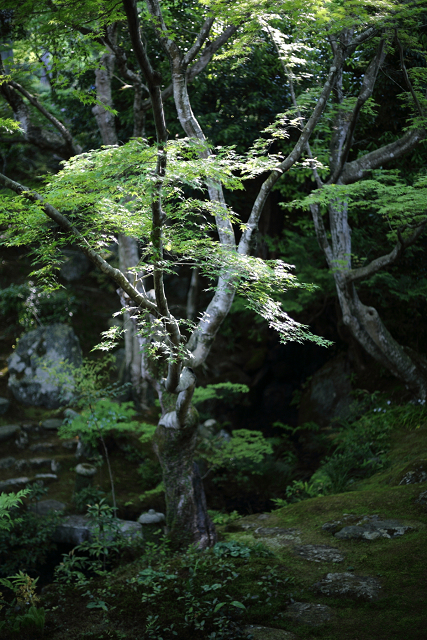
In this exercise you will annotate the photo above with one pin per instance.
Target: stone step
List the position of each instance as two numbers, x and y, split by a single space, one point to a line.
15 484
9 431
37 463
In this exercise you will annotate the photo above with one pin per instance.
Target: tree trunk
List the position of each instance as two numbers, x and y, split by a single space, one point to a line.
128 247
187 519
364 322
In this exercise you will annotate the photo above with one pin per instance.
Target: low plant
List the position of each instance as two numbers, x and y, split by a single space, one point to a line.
28 539
87 496
21 613
211 592
95 555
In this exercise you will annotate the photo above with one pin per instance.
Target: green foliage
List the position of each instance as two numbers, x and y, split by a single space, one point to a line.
7 502
29 539
100 419
150 473
94 556
211 590
219 517
87 496
34 306
361 446
245 446
237 549
224 391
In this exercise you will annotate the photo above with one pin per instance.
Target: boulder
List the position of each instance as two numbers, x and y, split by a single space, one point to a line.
309 613
30 366
75 266
268 633
349 585
22 440
43 507
328 394
76 529
4 405
9 431
319 553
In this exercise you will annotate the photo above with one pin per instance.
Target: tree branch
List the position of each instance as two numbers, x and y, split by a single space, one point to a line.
63 222
405 75
354 171
200 64
153 80
366 90
252 224
56 123
384 261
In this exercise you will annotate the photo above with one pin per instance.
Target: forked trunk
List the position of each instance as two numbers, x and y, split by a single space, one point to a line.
187 518
367 327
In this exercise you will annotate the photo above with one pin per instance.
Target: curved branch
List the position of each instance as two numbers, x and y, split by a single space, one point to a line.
383 261
354 171
63 222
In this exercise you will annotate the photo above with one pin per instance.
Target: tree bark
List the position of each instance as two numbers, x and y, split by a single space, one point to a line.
187 519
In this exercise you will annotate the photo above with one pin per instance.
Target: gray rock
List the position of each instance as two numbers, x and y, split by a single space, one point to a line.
422 498
4 405
277 532
30 427
309 613
151 517
372 528
349 585
76 529
14 484
417 473
52 424
6 463
33 463
328 394
267 633
44 507
31 379
319 553
9 431
75 266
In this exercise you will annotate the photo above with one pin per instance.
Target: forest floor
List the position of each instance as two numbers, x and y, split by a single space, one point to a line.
264 564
